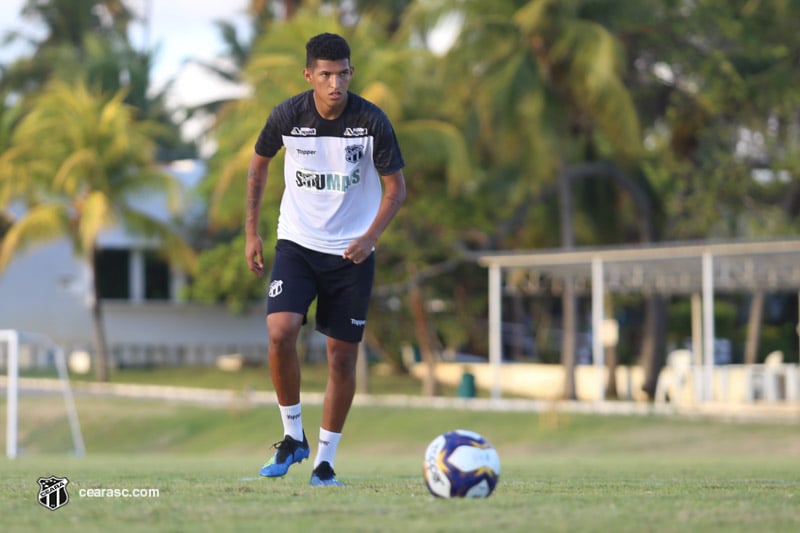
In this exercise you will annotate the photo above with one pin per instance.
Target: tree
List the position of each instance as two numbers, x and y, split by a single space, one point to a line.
537 114
66 24
549 99
87 41
97 160
714 85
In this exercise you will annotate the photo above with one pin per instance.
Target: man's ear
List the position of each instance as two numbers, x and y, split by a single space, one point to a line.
307 75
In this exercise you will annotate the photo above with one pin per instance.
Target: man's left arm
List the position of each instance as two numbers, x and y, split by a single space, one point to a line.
394 194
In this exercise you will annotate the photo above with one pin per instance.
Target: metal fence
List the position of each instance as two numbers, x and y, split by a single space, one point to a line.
34 356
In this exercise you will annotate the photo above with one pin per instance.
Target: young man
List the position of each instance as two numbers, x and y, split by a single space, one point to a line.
339 148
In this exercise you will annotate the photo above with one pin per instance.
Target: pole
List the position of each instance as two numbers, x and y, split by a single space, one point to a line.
598 355
69 401
495 327
697 330
12 393
708 324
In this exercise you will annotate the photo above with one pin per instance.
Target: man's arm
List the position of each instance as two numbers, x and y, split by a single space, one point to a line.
394 194
256 181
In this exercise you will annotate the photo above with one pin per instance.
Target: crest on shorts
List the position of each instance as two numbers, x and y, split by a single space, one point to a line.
354 153
275 288
53 492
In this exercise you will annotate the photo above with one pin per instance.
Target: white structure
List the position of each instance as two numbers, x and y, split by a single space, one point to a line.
45 291
10 343
697 269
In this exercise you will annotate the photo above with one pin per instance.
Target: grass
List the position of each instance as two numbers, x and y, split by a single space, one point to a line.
559 472
381 380
611 493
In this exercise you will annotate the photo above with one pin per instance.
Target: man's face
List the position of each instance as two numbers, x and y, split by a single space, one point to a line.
330 81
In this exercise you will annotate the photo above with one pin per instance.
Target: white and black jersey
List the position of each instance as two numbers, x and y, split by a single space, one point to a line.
332 169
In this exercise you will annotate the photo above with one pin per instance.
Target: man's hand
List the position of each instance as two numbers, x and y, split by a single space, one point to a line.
394 195
359 250
254 253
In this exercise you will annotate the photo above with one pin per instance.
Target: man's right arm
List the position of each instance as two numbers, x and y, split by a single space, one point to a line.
256 181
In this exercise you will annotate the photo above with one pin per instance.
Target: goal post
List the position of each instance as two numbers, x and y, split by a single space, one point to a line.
10 343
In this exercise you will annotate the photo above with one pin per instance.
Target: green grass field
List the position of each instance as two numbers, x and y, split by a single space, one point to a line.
560 472
382 381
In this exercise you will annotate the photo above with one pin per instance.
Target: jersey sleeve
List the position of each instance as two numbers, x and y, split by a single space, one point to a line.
270 140
387 156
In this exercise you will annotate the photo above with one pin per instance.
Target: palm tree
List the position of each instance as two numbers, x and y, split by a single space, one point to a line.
87 40
547 101
66 24
97 160
10 115
581 61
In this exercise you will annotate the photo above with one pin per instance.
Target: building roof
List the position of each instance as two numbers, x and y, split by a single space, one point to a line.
701 268
667 268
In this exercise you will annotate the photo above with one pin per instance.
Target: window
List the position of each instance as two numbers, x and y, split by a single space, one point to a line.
136 275
156 277
112 268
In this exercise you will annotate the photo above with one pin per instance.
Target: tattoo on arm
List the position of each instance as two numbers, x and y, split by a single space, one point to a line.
255 189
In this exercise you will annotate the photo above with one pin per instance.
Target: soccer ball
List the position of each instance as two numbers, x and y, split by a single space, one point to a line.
461 464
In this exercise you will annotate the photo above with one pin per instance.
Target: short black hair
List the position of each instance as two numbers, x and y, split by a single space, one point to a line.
326 46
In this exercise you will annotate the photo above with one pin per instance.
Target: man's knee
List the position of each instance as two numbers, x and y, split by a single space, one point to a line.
342 357
283 329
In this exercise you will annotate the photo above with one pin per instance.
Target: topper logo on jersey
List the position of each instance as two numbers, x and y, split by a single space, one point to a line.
353 153
303 132
355 132
330 182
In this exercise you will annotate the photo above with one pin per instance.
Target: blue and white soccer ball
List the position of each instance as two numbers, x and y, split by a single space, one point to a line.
461 464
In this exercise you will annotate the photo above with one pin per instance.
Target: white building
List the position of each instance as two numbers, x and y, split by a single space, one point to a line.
45 291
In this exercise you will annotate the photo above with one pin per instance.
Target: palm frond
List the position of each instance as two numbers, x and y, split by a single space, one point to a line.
384 97
71 173
97 214
439 143
168 241
41 223
12 183
616 116
227 201
535 16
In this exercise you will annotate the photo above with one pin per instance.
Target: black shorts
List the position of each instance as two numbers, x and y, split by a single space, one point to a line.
342 289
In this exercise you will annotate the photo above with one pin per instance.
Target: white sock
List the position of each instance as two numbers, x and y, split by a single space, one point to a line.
326 451
292 421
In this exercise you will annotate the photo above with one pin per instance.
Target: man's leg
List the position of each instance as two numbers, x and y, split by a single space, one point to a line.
341 386
341 314
339 392
284 367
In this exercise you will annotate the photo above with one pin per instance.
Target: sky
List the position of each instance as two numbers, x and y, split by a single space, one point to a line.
181 29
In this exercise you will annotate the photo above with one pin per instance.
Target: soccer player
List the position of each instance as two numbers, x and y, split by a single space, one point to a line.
344 184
